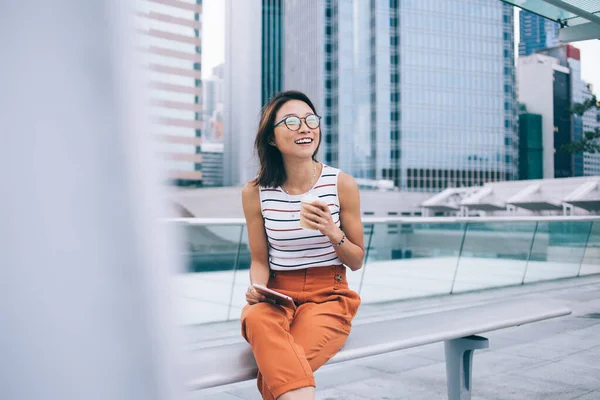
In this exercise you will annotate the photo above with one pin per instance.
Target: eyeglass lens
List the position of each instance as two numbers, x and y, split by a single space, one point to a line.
293 123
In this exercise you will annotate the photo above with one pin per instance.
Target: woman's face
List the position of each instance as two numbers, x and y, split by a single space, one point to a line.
301 142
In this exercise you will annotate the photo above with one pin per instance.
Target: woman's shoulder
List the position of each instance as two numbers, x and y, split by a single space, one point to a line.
250 189
344 179
346 182
251 198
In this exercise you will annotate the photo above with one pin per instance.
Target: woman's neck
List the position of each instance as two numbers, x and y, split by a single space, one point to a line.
301 175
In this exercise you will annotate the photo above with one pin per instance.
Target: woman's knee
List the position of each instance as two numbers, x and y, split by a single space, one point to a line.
258 318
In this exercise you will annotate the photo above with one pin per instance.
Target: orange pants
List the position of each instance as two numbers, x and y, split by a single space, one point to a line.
289 345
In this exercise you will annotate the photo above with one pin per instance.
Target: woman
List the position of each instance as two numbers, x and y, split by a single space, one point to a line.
305 264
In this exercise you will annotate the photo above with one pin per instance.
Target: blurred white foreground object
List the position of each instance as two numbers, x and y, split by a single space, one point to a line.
85 303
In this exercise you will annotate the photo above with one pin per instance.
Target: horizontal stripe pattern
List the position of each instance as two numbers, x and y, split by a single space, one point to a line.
290 245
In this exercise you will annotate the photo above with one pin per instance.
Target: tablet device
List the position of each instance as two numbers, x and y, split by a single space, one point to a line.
279 298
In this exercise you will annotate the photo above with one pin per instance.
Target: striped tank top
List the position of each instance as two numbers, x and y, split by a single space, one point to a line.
291 246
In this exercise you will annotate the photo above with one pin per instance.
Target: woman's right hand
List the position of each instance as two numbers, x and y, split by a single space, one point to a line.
253 297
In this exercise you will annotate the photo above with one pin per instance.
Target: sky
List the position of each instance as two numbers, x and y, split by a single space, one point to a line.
213 35
213 44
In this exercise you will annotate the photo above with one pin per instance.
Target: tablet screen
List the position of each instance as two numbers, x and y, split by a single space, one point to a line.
279 298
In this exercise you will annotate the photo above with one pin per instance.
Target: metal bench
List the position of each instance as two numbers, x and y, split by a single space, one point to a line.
457 328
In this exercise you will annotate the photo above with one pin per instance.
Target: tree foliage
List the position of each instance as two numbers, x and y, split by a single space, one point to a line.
590 142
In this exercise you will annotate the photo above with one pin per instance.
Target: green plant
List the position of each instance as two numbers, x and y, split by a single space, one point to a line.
590 142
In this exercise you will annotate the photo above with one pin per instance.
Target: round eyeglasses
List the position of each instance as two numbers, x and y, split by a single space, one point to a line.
293 123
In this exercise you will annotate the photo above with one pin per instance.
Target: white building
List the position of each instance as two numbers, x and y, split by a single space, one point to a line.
171 52
243 88
535 77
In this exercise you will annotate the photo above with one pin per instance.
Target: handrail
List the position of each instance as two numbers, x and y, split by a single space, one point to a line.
408 220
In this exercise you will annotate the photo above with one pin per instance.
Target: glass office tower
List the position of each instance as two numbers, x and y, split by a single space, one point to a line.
457 105
418 93
536 33
421 93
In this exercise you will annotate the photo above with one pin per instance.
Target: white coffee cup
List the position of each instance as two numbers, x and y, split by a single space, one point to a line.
307 199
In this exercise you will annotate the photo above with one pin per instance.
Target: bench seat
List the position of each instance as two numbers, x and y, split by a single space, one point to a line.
221 365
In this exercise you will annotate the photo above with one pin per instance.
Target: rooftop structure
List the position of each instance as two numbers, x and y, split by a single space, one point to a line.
575 196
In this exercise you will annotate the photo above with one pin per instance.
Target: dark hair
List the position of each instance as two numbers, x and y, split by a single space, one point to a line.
271 172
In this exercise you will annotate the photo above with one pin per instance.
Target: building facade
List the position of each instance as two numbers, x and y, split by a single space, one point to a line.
409 96
457 102
531 149
305 51
253 72
272 47
538 76
170 45
536 33
550 84
212 164
420 94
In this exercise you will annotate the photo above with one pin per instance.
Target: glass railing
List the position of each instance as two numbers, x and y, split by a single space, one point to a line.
405 258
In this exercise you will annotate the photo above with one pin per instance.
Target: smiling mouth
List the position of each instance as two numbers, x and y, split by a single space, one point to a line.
305 140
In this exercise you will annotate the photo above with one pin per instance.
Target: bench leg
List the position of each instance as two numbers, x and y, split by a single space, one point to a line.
459 362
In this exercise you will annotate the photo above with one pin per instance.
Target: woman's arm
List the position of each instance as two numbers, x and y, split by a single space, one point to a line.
352 251
259 267
259 252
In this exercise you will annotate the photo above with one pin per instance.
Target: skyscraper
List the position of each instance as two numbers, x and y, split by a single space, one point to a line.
457 103
408 93
272 48
171 52
536 33
418 93
305 49
243 92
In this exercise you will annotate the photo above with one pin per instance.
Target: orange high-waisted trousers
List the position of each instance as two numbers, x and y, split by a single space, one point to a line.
288 346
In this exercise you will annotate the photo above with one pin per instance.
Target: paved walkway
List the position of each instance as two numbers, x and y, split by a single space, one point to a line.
555 359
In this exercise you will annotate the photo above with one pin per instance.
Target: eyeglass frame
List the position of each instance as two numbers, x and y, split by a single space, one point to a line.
299 126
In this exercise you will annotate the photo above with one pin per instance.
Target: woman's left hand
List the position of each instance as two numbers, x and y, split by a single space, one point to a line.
319 217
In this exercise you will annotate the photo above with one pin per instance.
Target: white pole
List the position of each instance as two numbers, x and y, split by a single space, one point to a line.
85 305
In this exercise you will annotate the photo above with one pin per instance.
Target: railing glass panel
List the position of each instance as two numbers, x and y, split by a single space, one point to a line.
206 290
558 250
493 254
591 258
405 258
411 260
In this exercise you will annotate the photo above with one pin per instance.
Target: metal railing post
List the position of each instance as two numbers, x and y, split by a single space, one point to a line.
235 266
587 241
462 243
362 277
530 251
